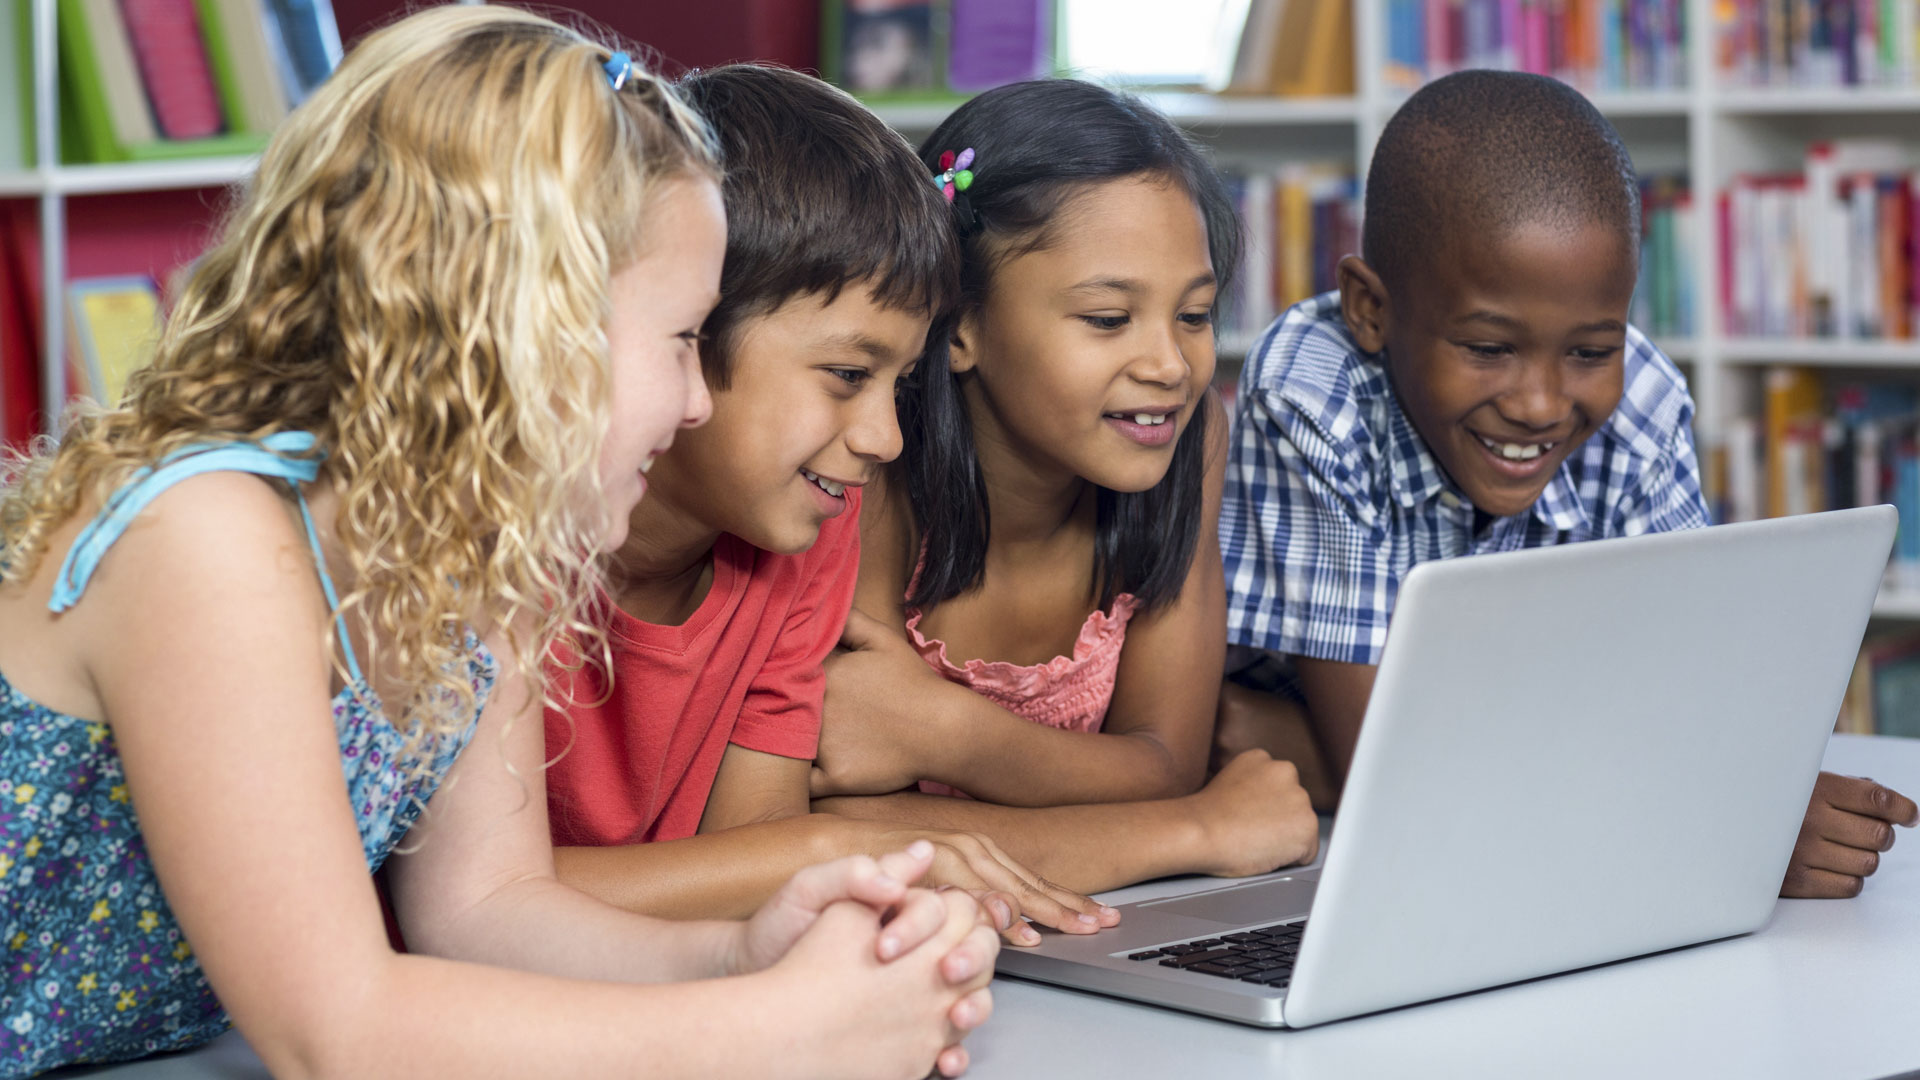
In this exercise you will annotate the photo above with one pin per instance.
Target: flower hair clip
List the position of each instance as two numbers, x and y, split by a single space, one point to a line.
954 175
619 69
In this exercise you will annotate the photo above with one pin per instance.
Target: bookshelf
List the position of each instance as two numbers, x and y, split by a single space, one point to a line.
51 185
1712 129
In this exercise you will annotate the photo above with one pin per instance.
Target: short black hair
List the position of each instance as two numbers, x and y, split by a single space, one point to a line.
820 195
1037 145
1486 151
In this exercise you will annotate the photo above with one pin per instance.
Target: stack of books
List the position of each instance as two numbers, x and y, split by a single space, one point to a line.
1663 300
1816 447
1827 252
1596 45
1883 697
153 79
1288 48
1809 43
1300 221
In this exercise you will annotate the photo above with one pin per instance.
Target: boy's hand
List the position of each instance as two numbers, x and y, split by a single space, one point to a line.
1005 888
1255 817
1849 823
877 690
911 915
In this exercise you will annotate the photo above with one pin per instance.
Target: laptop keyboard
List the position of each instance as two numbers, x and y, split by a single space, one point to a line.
1263 955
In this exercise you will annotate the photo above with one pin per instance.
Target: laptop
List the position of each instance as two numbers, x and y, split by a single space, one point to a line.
1572 756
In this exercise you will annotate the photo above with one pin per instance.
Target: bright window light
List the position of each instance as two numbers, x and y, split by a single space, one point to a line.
1144 42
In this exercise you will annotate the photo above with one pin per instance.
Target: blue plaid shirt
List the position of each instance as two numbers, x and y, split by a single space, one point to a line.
1332 496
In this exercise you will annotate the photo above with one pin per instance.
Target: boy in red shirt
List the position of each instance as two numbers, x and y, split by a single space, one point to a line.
680 788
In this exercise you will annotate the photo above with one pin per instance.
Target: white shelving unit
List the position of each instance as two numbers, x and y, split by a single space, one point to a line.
1709 130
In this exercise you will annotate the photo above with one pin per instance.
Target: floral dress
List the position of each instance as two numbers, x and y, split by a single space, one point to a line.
97 968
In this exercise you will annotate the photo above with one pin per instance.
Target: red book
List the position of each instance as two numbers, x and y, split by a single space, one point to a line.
19 322
1729 318
173 65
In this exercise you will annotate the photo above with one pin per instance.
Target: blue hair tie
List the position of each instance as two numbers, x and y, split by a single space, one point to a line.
618 69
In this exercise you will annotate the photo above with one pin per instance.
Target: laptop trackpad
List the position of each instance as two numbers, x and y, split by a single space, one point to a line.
1245 905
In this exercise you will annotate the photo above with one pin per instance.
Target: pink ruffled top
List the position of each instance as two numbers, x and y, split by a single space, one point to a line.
1067 692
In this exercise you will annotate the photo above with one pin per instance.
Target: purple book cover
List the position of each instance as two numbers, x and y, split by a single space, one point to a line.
995 42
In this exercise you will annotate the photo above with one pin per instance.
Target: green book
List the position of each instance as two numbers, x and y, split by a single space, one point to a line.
17 119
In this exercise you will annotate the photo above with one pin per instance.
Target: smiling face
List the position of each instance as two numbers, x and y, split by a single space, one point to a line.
1089 355
1506 351
657 305
808 413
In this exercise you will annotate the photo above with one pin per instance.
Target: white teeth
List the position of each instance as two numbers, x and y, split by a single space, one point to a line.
1517 451
1148 419
647 464
828 486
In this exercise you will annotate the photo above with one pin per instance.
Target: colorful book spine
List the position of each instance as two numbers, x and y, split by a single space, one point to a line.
1594 44
1827 253
173 67
1300 221
1815 42
1821 446
157 79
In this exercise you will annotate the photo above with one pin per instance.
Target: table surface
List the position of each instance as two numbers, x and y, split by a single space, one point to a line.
1825 989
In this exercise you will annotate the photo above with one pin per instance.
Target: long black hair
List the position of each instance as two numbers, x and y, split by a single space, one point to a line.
1037 145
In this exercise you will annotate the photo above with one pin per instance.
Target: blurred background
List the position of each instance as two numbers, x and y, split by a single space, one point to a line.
1775 140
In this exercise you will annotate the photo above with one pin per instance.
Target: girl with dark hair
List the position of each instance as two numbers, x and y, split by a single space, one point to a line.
1040 615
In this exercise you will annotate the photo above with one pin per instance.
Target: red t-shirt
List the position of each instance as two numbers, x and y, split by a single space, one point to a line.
745 669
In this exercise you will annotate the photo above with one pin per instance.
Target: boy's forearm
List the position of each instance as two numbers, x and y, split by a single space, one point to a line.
1086 848
719 875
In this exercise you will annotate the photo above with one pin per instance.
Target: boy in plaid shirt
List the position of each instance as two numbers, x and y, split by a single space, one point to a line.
1472 386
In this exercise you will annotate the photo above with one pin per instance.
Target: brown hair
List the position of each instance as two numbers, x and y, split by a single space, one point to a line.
820 195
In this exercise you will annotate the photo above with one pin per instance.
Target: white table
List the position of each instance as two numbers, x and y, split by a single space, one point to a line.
1827 989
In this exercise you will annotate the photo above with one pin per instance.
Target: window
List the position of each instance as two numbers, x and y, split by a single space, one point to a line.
1150 42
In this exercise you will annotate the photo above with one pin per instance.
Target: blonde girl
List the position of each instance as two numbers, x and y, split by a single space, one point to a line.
302 578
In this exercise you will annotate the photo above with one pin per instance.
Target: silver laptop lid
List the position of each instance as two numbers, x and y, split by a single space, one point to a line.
1578 754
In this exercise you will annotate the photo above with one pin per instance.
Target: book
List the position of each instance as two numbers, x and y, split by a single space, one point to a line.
252 94
1253 55
995 42
305 41
1230 40
19 322
1794 402
16 116
98 71
1314 54
173 67
115 324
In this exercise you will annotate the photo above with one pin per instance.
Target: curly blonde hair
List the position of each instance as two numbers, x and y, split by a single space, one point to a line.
418 275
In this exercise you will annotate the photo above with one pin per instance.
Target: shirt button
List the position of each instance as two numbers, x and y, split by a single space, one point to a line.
1449 500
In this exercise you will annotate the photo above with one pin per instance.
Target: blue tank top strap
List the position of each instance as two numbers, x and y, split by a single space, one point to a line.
286 455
